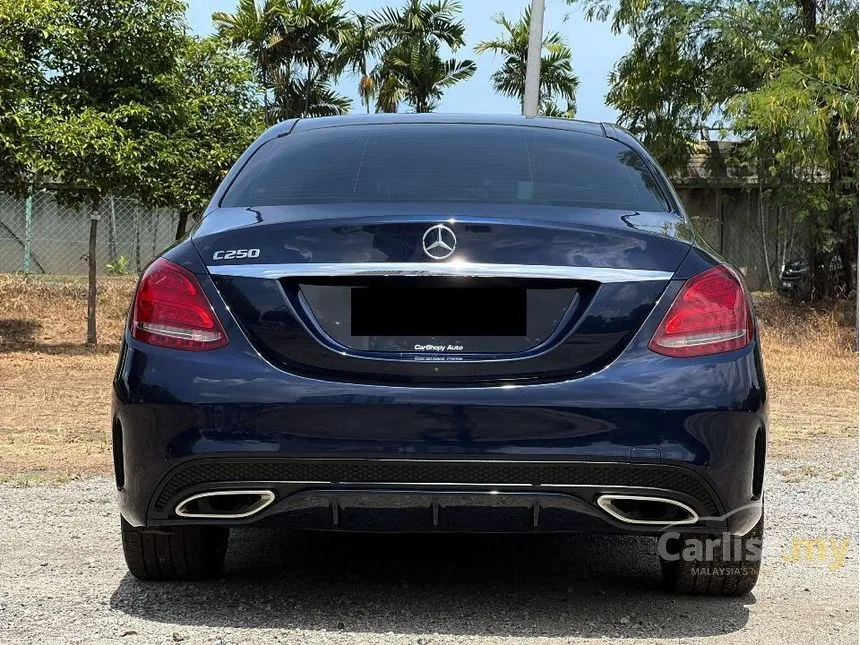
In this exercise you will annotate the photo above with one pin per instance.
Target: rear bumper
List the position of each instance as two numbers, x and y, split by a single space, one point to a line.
370 457
435 494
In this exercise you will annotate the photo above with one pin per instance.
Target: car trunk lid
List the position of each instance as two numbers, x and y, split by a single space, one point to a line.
351 292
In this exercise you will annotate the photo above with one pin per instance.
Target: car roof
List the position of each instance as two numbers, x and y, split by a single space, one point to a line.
300 125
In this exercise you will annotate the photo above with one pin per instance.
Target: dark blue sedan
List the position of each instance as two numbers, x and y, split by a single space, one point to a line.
430 323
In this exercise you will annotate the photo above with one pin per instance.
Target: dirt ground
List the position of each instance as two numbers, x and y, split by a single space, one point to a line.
55 391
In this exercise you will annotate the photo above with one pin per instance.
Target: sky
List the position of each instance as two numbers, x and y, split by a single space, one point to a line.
595 51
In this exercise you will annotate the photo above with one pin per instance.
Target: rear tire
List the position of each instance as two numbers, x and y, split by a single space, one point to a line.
734 576
174 553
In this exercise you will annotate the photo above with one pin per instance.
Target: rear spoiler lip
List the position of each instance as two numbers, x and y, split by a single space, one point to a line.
438 269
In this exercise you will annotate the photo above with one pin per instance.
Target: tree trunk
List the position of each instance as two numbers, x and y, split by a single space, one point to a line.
843 184
181 224
265 83
92 338
832 273
763 226
308 90
284 79
364 82
809 8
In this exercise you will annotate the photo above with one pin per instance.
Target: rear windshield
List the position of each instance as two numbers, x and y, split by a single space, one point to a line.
446 163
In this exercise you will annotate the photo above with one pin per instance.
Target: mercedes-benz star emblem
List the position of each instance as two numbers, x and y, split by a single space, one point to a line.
439 242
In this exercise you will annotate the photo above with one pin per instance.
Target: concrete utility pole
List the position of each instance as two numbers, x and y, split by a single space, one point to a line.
532 92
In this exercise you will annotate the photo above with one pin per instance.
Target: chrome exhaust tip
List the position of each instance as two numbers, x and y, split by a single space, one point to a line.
654 511
224 504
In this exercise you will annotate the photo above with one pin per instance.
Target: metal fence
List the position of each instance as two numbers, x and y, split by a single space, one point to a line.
39 235
43 236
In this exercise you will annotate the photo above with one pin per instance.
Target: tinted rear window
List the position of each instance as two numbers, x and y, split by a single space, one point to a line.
446 163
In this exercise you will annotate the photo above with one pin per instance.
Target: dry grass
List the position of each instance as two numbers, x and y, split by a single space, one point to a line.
55 391
811 369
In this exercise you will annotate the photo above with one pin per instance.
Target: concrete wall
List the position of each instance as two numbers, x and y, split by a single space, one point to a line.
728 217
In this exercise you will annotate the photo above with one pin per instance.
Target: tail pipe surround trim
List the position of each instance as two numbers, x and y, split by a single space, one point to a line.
653 511
213 505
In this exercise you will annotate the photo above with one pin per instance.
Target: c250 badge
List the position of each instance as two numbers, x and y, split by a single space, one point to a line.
236 254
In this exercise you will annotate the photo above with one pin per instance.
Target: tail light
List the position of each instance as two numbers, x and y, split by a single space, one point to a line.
710 315
171 310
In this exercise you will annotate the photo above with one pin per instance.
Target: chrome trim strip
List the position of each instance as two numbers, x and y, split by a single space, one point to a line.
605 502
266 498
444 269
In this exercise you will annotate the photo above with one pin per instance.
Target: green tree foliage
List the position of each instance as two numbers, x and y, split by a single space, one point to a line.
411 68
294 45
112 97
803 120
216 121
25 30
254 29
360 42
780 76
423 21
415 73
106 94
678 74
557 80
83 107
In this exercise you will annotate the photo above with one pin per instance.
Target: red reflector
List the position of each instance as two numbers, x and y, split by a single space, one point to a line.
171 310
710 315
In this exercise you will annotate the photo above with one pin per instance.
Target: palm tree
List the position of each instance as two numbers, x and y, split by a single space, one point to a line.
557 80
311 29
422 21
549 108
389 89
292 43
416 73
411 68
317 95
253 28
359 42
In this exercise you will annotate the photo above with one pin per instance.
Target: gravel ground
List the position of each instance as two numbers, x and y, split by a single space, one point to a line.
63 580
